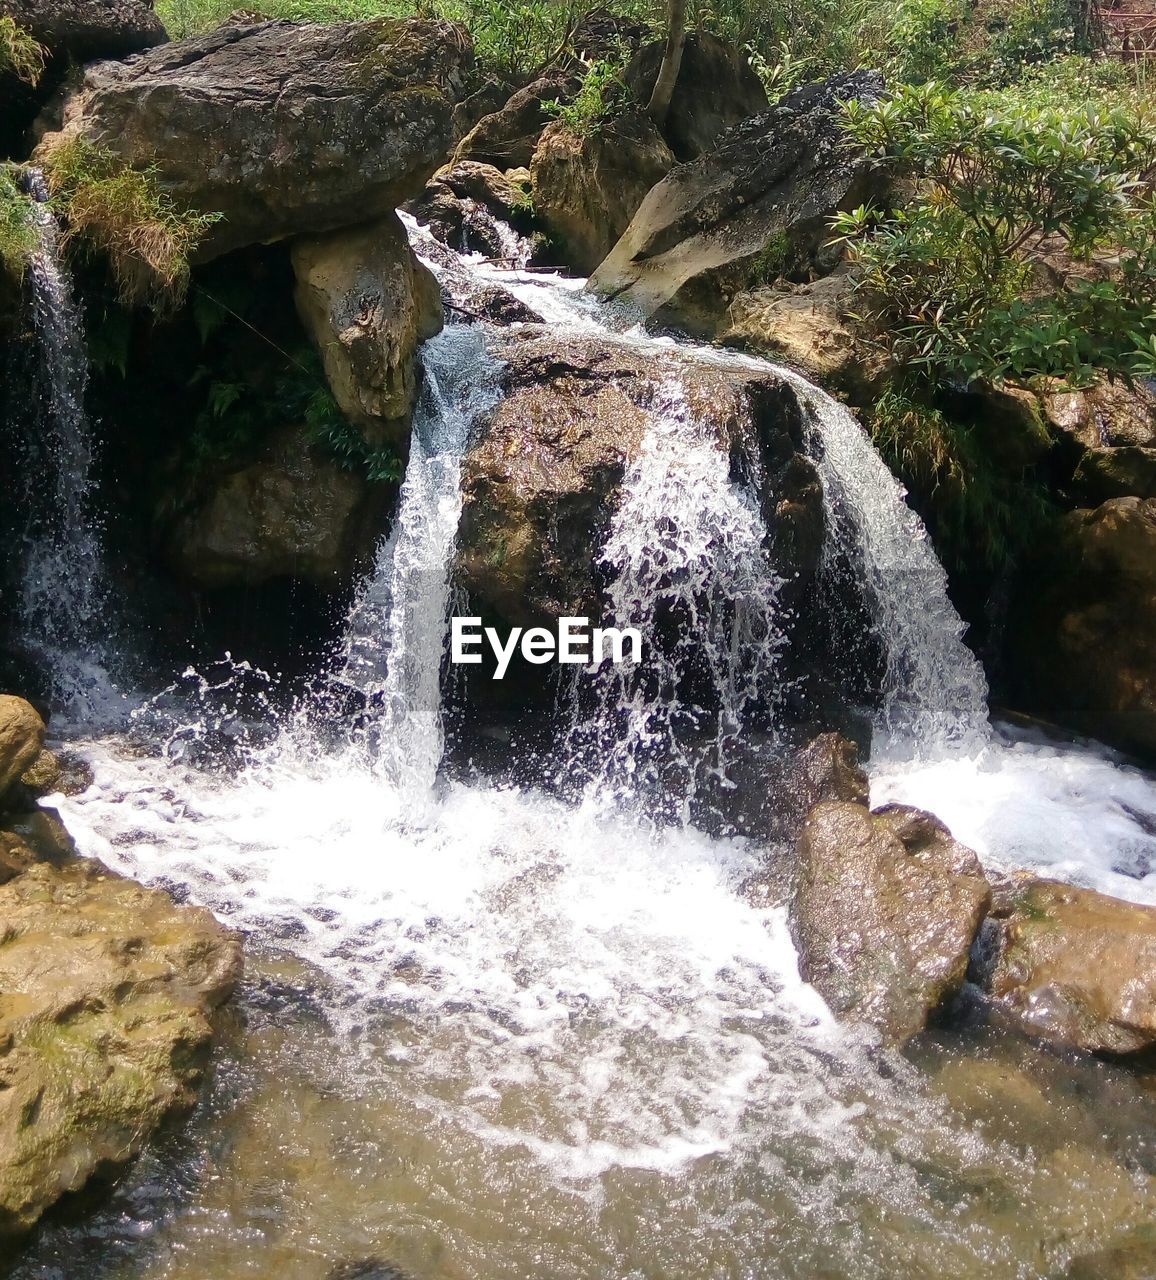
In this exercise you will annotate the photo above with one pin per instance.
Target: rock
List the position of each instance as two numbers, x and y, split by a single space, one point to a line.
769 184
465 206
43 775
1110 414
587 188
810 327
884 911
1129 470
37 836
1131 1258
507 137
83 30
1074 966
104 1026
540 479
291 514
716 88
284 129
367 303
1079 645
21 740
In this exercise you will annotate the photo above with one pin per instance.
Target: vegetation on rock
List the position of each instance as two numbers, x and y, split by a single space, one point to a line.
17 230
20 54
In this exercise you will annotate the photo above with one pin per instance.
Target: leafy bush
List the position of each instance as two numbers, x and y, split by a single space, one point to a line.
124 214
1004 182
602 93
18 238
20 54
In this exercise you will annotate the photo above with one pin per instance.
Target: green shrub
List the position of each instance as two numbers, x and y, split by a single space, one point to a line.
1005 181
20 54
124 214
602 94
18 237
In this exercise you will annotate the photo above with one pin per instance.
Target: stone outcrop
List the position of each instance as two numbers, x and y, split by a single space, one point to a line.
811 327
541 479
465 204
83 30
1079 636
506 138
283 129
588 187
368 303
770 184
716 88
884 911
291 514
1073 966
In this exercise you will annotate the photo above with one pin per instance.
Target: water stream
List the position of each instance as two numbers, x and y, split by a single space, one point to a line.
490 1032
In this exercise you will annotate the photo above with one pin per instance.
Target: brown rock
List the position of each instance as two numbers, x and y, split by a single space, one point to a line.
368 303
464 205
507 137
32 837
21 740
1076 967
87 29
885 908
1128 470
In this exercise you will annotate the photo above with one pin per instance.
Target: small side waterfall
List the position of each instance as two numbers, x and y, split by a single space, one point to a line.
63 589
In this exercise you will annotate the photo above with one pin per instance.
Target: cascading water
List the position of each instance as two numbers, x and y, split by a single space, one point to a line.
63 590
496 1035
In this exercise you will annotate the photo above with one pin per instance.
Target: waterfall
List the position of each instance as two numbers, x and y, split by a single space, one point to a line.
394 638
63 591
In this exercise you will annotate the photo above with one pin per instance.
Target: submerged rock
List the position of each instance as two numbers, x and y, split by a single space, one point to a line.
1079 637
1074 966
368 303
284 129
291 514
587 187
884 911
542 476
769 185
104 1024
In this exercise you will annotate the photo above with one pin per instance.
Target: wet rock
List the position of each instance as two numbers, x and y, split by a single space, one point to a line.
1079 636
769 185
507 137
83 30
34 836
541 479
1102 474
105 1025
811 327
1074 966
466 204
368 303
284 129
884 911
716 88
291 514
1111 414
587 188
21 740
1132 1258
43 775
366 1269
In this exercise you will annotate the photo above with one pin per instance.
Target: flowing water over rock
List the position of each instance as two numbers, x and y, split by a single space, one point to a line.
493 1033
63 589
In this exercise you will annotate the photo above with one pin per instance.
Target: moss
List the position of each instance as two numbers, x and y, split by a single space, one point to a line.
125 215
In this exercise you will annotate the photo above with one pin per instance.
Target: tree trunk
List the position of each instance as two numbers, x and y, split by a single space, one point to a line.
659 104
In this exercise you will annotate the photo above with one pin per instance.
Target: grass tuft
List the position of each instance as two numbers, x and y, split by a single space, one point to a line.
20 54
18 236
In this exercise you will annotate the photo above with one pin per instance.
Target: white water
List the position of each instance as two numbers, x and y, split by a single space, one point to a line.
574 983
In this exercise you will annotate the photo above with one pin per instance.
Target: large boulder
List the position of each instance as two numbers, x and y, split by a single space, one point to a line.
83 30
812 327
884 911
1073 966
21 741
716 88
469 206
542 476
283 129
769 185
587 187
368 303
104 1026
1126 471
1079 632
290 514
506 138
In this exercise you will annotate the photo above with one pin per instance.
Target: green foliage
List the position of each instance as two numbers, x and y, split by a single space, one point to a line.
18 238
602 94
20 54
123 214
769 265
1006 181
978 510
